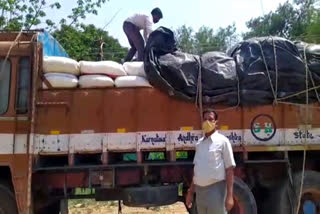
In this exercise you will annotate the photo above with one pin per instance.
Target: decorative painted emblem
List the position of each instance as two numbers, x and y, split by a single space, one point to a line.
263 127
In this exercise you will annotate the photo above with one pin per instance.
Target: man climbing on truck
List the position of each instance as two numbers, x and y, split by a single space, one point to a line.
213 170
132 27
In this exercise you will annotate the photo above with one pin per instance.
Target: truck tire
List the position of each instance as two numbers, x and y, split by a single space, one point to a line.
245 202
284 200
7 200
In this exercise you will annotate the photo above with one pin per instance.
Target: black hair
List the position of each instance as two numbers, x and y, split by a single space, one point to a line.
210 110
157 12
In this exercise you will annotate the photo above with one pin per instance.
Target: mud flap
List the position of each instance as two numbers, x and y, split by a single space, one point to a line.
150 196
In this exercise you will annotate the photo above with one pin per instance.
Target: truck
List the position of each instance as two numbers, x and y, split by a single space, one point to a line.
136 145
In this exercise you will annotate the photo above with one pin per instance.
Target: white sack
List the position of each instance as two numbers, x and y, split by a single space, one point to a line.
135 69
109 68
60 80
55 64
95 81
131 81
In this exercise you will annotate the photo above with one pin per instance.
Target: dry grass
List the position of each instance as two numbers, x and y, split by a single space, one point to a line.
92 207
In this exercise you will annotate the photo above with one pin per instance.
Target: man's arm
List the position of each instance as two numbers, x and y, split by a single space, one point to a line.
189 196
191 188
229 165
148 29
229 180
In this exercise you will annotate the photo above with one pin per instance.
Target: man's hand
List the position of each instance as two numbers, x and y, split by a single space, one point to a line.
229 179
229 202
189 199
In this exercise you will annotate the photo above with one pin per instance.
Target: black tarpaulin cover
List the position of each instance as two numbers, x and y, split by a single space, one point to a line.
256 71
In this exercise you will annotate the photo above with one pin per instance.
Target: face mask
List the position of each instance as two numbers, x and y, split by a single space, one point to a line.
208 126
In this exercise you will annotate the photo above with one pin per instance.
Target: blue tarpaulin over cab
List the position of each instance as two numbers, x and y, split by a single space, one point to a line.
51 46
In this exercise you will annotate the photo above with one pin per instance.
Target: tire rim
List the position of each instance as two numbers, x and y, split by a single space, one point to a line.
238 207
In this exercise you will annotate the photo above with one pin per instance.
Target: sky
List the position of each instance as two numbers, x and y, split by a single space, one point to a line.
193 13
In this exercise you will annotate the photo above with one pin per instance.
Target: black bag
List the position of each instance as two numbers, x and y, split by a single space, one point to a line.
269 64
174 72
219 75
254 72
312 52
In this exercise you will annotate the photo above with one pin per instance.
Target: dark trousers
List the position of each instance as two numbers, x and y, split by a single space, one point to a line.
136 41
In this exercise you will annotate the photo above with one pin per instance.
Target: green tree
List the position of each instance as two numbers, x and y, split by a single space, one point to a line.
312 34
28 14
84 42
80 41
185 40
18 14
290 20
206 39
83 8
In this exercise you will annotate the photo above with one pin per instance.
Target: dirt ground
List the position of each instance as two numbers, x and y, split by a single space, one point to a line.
92 207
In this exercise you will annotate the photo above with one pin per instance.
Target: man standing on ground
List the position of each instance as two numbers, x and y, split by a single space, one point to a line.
132 27
213 170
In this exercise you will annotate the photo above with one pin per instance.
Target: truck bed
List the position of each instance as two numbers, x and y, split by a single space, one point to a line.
145 119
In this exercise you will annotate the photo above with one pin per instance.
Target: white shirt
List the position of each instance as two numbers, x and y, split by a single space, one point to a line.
143 22
213 156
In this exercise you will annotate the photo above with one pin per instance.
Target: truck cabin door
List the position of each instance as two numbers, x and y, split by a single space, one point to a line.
15 81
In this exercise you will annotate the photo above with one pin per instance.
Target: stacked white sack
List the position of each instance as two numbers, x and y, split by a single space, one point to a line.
134 69
55 64
109 68
131 81
95 81
61 80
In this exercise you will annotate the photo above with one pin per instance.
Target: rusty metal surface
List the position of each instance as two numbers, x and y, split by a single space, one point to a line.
60 180
110 166
172 174
19 49
11 36
106 110
125 177
8 126
136 110
140 119
36 58
141 110
18 164
17 125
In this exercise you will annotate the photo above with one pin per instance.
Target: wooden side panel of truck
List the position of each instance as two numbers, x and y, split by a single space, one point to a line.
151 120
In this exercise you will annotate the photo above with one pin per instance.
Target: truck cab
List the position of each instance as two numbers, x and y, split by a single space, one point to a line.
16 62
